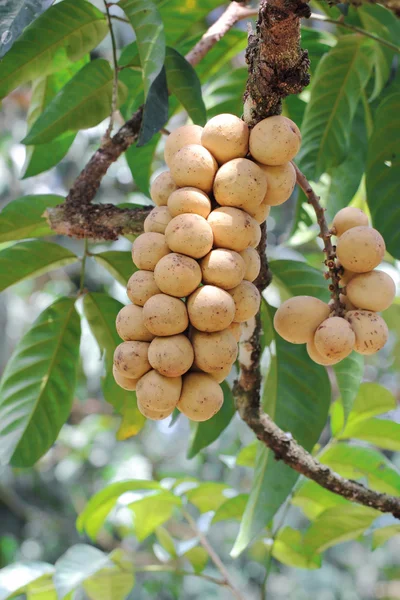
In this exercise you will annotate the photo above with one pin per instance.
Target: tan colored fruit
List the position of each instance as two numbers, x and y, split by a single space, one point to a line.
280 183
164 315
226 137
214 351
177 275
148 249
130 326
126 383
317 357
360 249
261 213
161 188
189 234
177 139
334 338
297 319
154 415
141 287
194 166
275 141
223 268
247 301
158 393
236 330
171 356
201 397
253 263
347 218
210 309
130 359
256 237
189 200
222 374
370 330
232 228
346 276
374 291
157 220
240 183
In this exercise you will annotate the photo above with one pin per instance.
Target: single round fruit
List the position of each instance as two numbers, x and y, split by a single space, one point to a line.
161 188
334 338
232 228
171 356
141 287
370 330
280 183
222 374
183 136
317 357
194 166
297 319
214 351
130 359
260 214
201 397
256 237
236 331
148 249
347 218
374 291
157 220
164 315
247 300
226 137
189 234
177 275
210 309
253 263
223 268
130 326
360 249
154 415
189 200
126 383
275 141
158 393
240 183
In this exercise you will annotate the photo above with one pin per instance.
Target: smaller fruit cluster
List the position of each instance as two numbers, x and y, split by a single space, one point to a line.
365 292
197 261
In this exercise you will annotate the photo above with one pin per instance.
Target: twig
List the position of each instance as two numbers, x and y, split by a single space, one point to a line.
171 569
114 98
117 18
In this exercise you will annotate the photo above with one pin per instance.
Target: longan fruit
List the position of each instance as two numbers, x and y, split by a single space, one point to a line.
222 374
275 141
158 393
189 234
226 137
171 356
130 359
210 309
232 228
371 291
360 249
177 139
223 268
164 315
240 183
194 166
370 330
334 338
130 326
317 357
148 249
201 397
247 300
253 263
154 415
347 218
189 200
177 275
161 188
280 183
157 220
261 213
236 331
345 277
141 287
297 319
214 351
256 235
126 383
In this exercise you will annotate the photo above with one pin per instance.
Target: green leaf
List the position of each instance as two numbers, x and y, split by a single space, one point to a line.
380 432
183 81
166 540
349 373
63 34
41 589
224 93
15 15
231 509
179 16
207 496
204 434
151 511
31 259
338 82
383 534
247 455
38 384
23 218
198 558
290 550
118 263
83 102
16 577
300 279
155 111
140 162
126 403
108 583
314 499
383 164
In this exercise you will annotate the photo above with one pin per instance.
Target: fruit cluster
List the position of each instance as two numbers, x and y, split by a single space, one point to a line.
365 292
197 261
